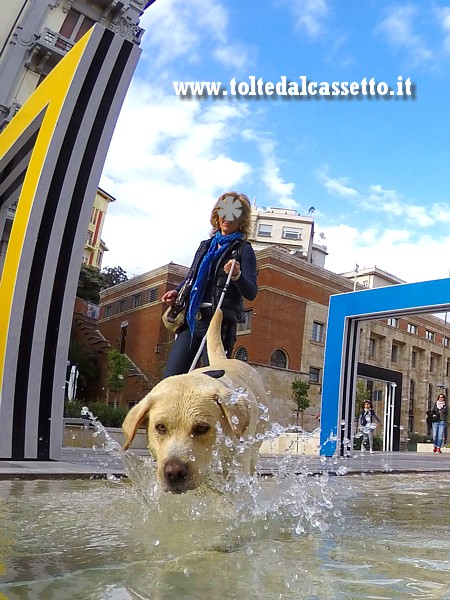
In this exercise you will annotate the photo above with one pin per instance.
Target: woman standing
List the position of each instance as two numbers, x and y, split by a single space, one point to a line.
439 423
230 220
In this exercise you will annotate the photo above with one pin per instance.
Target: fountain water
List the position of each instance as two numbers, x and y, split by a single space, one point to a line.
288 536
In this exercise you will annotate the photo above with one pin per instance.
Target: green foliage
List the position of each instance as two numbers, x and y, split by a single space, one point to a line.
114 276
90 282
300 394
117 366
362 394
105 413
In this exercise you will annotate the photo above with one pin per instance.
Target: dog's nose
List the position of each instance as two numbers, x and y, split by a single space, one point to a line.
175 472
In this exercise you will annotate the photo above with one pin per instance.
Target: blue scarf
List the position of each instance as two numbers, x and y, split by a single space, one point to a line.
199 285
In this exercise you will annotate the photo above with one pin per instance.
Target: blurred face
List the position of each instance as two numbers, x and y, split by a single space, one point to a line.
227 227
366 405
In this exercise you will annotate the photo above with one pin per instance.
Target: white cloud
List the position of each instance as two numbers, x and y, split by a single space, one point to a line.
336 187
168 162
443 18
176 28
399 29
396 251
388 203
278 191
310 15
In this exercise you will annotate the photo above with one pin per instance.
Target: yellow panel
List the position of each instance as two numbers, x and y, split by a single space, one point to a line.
49 96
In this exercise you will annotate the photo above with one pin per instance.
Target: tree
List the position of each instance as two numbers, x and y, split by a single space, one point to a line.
117 366
300 396
90 282
362 394
114 275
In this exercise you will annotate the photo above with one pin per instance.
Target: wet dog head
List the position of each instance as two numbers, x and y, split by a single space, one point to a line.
183 414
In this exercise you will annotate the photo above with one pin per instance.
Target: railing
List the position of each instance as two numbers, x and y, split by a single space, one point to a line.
55 40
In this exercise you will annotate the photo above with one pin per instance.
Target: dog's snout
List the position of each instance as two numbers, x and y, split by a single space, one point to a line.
175 473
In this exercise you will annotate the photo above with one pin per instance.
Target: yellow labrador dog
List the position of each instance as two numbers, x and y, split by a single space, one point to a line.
193 416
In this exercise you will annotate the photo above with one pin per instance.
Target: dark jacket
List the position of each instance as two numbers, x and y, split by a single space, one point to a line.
246 286
363 419
439 415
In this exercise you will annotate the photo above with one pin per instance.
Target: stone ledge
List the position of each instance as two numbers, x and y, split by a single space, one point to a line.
429 448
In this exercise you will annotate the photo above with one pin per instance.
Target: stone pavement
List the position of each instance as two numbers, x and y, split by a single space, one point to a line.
77 463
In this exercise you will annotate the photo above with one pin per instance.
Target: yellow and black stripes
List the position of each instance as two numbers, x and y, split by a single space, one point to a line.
43 260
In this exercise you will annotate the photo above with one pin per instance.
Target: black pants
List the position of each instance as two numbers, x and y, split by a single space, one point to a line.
185 346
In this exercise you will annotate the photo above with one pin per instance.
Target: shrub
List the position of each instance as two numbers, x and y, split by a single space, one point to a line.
105 413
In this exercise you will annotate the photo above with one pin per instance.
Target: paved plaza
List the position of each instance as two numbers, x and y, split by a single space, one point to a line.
92 463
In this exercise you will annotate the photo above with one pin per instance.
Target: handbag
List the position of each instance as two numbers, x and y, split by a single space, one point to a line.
175 316
173 319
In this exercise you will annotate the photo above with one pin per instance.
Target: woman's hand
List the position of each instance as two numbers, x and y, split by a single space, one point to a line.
236 269
169 297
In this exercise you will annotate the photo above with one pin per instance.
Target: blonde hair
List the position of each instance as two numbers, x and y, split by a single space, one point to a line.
244 218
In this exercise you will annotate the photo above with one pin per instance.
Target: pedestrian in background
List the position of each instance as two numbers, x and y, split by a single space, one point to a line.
367 425
439 424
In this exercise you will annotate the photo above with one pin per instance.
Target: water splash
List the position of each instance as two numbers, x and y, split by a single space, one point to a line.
289 503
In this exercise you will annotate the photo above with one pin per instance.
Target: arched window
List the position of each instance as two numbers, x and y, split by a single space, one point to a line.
430 396
241 354
412 389
278 359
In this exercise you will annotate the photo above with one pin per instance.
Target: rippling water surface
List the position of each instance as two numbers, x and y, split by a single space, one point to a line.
293 536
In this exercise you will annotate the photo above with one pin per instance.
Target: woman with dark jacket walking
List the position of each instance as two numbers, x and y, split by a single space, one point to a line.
206 280
366 425
439 422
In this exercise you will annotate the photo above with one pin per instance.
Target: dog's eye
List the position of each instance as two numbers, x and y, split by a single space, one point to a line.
161 428
200 429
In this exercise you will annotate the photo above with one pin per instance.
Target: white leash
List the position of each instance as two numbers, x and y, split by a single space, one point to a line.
222 295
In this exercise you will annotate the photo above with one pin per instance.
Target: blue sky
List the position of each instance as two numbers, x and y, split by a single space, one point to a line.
375 169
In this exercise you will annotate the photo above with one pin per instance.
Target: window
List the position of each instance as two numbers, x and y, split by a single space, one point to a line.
429 335
394 353
122 305
153 294
430 396
247 324
314 375
265 230
412 328
136 300
75 25
393 322
411 407
432 364
372 347
377 395
278 359
123 340
241 354
413 358
292 233
89 238
318 331
108 310
446 342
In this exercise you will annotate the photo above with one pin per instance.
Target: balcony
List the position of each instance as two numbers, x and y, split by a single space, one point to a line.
47 51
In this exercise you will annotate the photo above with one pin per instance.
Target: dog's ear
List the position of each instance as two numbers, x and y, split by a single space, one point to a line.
134 419
236 412
215 374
